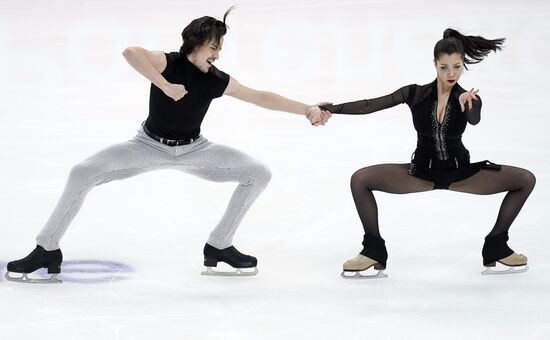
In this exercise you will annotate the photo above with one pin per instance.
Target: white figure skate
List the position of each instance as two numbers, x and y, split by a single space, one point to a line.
513 264
354 268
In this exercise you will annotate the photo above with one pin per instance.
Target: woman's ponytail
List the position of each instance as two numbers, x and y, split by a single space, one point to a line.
473 48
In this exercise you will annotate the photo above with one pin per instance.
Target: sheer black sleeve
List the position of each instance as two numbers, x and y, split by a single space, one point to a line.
473 116
365 106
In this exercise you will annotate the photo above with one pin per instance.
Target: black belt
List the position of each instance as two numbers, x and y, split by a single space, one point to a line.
169 142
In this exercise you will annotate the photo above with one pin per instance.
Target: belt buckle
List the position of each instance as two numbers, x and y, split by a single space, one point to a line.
176 142
169 142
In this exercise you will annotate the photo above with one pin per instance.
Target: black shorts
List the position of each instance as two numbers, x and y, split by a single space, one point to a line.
444 173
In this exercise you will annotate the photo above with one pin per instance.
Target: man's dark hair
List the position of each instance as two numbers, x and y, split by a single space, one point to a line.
203 30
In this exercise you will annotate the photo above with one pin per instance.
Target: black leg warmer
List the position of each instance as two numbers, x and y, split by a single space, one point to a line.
495 248
375 248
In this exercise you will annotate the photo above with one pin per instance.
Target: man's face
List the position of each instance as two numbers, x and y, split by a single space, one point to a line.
204 56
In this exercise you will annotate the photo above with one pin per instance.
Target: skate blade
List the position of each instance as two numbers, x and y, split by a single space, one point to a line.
359 276
508 270
238 272
26 279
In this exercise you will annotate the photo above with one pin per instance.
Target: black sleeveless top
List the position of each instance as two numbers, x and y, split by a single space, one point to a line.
182 119
441 141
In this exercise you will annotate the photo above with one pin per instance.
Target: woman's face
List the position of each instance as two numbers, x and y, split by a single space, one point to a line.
449 68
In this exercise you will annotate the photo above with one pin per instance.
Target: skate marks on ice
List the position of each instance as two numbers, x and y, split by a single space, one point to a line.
94 271
76 271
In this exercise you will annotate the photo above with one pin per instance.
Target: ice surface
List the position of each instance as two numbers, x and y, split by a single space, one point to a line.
134 253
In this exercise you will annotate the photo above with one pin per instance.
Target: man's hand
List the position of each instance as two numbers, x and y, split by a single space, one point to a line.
174 91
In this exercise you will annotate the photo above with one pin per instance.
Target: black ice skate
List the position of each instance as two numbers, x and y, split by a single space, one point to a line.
38 258
232 257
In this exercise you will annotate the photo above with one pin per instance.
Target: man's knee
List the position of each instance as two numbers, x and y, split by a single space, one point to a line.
261 173
80 171
257 174
85 172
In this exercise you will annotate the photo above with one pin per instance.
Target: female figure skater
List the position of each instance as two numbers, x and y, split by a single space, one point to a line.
440 112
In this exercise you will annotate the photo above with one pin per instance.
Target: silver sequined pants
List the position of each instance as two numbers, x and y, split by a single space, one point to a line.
202 158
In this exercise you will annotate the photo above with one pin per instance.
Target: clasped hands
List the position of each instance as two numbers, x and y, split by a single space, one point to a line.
317 116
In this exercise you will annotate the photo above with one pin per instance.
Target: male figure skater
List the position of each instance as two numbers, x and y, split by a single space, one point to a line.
183 85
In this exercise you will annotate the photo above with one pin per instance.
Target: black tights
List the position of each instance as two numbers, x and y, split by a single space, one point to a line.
394 179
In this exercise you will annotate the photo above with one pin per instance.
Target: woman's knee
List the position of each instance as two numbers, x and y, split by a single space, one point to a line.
359 179
528 180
